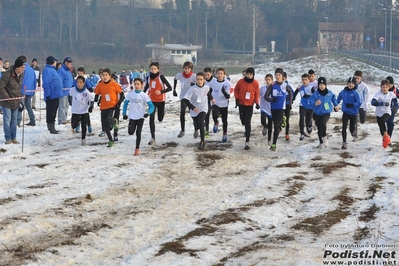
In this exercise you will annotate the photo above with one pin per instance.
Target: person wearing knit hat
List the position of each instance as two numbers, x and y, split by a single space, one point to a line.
276 95
323 102
394 106
246 93
10 87
350 108
382 101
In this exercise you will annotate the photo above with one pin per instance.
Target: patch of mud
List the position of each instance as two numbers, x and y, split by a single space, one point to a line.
177 246
328 168
207 159
165 146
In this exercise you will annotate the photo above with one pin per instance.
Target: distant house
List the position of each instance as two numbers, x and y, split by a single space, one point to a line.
341 36
174 53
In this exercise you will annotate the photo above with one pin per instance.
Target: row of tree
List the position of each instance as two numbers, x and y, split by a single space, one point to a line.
104 30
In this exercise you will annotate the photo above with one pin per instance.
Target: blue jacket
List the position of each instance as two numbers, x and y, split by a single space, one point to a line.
51 83
276 96
29 82
67 78
328 100
351 98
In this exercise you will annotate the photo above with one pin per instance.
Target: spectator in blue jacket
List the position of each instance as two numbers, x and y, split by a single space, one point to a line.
53 91
323 102
350 109
67 82
28 89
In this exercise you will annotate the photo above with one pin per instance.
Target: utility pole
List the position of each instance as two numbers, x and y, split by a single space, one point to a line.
206 30
77 22
390 39
253 34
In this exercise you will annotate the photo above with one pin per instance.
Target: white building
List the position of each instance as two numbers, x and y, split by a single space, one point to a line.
174 53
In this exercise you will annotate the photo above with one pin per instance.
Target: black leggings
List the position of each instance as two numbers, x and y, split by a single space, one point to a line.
268 124
83 118
208 114
199 124
352 127
183 108
321 123
136 125
382 123
277 116
287 114
246 117
161 113
220 111
108 120
305 118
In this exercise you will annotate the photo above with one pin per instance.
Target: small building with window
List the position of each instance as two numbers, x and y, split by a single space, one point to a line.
174 53
341 36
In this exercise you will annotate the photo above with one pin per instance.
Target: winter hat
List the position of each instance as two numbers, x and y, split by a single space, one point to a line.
18 63
351 80
250 70
279 70
322 80
390 79
50 60
34 60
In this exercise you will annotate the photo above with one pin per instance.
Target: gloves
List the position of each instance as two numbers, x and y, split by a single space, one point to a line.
387 104
21 107
125 117
117 107
349 105
237 103
257 106
223 90
91 108
131 87
146 115
274 100
174 93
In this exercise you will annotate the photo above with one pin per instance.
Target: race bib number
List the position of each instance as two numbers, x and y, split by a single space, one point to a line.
247 95
107 98
326 106
153 84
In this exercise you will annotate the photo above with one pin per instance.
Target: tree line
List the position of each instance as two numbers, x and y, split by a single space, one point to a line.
106 30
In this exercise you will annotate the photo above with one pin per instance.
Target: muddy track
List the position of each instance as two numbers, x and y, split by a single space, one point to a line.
83 218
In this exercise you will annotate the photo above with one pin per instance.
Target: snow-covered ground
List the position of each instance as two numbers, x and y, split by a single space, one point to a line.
65 204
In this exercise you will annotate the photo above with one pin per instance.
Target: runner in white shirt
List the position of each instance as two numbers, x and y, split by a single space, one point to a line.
221 93
382 102
196 99
137 99
82 104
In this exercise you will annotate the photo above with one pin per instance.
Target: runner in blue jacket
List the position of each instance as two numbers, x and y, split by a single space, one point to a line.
323 102
350 108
